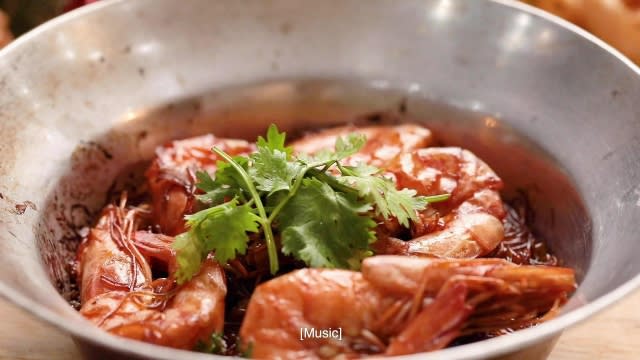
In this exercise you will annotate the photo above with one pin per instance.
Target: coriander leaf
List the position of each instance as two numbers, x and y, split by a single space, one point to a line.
362 170
222 229
388 201
226 233
205 182
275 140
228 175
355 261
216 344
190 254
245 352
215 192
322 156
262 217
227 184
350 145
324 228
271 171
219 195
344 148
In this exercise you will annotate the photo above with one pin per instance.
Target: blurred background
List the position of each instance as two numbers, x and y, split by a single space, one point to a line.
20 16
614 21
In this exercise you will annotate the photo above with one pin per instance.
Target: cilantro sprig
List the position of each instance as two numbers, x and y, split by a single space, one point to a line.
323 219
216 344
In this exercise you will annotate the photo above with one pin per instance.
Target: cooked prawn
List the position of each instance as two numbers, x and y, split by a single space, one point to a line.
171 176
177 318
107 258
384 143
398 305
119 294
467 225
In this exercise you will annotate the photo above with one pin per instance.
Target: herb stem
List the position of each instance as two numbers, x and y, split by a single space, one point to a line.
325 164
335 184
266 224
436 198
344 171
292 192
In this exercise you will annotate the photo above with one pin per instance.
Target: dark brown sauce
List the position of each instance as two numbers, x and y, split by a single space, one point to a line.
520 246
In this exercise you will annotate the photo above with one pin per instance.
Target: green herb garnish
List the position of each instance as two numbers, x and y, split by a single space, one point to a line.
215 345
323 219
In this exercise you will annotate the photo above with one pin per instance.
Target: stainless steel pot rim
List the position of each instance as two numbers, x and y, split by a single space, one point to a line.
488 348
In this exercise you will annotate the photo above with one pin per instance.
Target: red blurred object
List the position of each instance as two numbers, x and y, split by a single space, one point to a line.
76 4
632 4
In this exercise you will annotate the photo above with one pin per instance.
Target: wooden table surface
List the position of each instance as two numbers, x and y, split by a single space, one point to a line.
613 334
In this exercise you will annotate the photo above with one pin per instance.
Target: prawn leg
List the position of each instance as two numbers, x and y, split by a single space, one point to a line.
437 324
157 247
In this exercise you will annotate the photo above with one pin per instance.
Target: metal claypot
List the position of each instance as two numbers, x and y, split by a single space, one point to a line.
87 96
